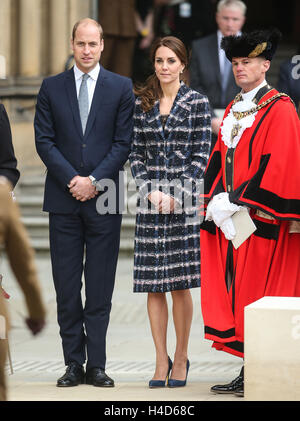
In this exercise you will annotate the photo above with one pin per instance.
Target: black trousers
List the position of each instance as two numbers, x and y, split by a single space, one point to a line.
84 242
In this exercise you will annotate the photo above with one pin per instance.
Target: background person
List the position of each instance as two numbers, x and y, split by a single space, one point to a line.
210 70
171 142
8 161
14 240
289 78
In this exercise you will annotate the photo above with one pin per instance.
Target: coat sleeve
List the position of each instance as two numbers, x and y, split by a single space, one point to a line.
21 254
57 165
137 155
8 162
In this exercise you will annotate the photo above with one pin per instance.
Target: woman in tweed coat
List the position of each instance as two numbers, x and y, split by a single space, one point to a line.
171 144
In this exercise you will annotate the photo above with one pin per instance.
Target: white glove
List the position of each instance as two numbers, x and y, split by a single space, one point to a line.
220 209
228 229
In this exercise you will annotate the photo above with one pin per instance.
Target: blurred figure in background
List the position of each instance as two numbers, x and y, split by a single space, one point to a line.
144 14
117 18
20 254
184 19
8 161
289 78
210 71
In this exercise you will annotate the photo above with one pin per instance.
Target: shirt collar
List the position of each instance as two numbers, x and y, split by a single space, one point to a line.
94 73
251 94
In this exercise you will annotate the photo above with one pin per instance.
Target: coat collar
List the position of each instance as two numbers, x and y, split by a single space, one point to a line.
180 110
96 103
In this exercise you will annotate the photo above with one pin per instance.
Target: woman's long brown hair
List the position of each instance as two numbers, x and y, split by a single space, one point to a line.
151 91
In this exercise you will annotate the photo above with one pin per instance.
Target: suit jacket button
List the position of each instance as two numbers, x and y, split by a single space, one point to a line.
84 145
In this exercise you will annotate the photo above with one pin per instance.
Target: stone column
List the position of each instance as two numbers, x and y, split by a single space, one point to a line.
59 42
5 39
78 10
30 38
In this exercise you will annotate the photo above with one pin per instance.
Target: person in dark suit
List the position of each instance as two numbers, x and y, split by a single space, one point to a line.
289 78
8 161
210 71
83 129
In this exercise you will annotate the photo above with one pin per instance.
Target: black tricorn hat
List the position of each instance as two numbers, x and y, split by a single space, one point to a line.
259 43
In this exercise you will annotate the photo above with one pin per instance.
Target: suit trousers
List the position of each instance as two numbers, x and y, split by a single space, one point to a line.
84 242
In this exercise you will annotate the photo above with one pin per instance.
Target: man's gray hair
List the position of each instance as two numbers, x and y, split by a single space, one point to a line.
233 4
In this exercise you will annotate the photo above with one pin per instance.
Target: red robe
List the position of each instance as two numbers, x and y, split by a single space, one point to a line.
262 173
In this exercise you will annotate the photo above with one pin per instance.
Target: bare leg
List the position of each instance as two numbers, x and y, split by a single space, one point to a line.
182 315
158 316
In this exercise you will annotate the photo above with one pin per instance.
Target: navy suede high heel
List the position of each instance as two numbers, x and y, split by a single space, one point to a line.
179 383
161 383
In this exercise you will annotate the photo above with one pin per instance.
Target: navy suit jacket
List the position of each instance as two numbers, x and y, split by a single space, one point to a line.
101 151
205 75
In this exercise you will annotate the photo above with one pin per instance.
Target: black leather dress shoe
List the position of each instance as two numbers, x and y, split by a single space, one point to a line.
236 385
73 376
97 377
240 391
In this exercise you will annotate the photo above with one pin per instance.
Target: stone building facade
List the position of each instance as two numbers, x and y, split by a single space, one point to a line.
34 43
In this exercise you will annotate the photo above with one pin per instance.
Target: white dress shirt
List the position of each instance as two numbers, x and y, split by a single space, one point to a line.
91 82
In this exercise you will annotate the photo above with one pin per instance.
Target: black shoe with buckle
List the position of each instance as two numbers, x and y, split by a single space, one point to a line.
73 376
236 385
97 377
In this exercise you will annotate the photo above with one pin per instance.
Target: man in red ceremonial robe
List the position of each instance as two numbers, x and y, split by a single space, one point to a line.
253 171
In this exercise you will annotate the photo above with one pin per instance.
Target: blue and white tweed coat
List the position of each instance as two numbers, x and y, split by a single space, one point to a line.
167 246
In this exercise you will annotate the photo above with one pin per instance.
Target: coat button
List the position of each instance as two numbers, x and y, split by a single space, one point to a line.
84 145
229 159
229 187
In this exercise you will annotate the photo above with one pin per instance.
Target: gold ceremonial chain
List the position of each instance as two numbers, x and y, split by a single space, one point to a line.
241 114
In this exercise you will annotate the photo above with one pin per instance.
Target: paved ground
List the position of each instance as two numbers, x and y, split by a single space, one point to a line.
38 362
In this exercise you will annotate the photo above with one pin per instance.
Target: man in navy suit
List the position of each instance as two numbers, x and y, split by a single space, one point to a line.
83 129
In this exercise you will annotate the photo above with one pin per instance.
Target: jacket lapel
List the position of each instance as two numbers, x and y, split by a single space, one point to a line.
72 95
99 94
180 110
153 120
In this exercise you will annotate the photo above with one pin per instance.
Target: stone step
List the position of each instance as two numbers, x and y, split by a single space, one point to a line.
30 186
